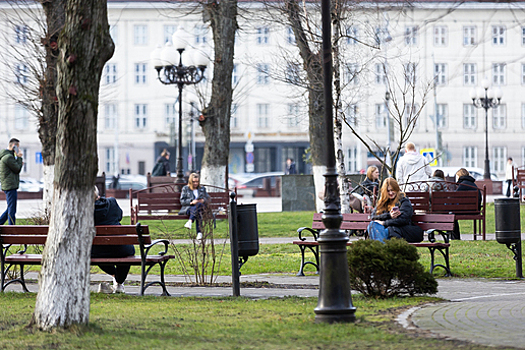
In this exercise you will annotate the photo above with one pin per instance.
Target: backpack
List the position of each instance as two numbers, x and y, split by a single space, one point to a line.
159 169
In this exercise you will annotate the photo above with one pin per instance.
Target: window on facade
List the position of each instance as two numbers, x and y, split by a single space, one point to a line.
440 36
352 35
263 35
140 73
351 74
411 115
110 115
290 36
21 34
522 35
440 73
469 35
442 114
141 116
469 116
381 115
113 32
262 115
499 159
292 74
170 114
410 73
351 114
498 35
201 32
380 73
110 74
140 34
294 111
498 73
411 35
469 74
21 73
169 29
234 119
499 117
470 156
353 160
110 160
523 74
523 115
263 74
235 74
21 117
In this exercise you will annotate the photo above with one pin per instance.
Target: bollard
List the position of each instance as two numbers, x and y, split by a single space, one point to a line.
508 228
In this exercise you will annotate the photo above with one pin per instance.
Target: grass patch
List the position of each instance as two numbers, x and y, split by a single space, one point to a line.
130 322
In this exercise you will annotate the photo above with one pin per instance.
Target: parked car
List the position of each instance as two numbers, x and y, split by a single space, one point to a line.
476 173
250 187
28 184
235 180
125 182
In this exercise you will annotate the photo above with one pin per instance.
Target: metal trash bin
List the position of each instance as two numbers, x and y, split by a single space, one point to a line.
507 217
248 231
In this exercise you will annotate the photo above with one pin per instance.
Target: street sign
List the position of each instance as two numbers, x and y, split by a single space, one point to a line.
38 158
429 154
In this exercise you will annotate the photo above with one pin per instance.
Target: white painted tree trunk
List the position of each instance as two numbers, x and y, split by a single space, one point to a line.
49 175
213 175
63 293
319 181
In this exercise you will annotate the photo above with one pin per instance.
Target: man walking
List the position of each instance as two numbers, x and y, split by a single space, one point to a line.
412 167
509 169
10 167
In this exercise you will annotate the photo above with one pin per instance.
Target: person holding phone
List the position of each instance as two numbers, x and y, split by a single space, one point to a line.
11 163
392 216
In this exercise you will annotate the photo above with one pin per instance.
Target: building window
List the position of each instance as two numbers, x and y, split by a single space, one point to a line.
110 74
21 117
470 156
141 116
169 29
352 35
353 160
469 116
411 35
352 114
234 120
235 74
292 74
380 73
523 115
440 73
263 73
201 32
110 115
498 73
440 36
294 111
262 115
499 159
263 35
21 34
411 114
469 35
140 35
410 73
442 114
499 117
522 35
381 115
290 36
110 160
140 73
170 114
21 73
351 74
523 74
498 35
113 32
469 74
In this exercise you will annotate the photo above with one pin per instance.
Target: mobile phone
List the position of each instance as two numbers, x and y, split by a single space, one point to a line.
15 148
396 208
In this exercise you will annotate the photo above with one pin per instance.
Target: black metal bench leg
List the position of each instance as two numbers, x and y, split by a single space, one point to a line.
445 253
301 273
162 281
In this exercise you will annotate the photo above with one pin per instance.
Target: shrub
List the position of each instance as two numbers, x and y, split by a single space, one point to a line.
384 270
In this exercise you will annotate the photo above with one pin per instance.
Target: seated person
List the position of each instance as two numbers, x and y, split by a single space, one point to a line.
108 212
367 189
193 199
392 216
437 179
465 183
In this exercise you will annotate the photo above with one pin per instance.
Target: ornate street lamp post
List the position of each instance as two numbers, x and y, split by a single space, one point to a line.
486 98
170 73
335 300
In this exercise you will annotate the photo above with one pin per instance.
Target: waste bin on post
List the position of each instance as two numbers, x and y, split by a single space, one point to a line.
508 227
247 232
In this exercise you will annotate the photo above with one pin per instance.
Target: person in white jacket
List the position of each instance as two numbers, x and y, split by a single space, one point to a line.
411 167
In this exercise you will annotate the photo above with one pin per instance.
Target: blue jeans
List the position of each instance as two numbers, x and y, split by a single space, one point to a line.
11 197
195 213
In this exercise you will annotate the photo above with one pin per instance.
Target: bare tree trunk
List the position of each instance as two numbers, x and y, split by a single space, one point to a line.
216 127
55 14
85 46
314 72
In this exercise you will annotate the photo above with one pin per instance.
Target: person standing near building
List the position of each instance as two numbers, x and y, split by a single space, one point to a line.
412 166
162 165
11 163
509 169
290 167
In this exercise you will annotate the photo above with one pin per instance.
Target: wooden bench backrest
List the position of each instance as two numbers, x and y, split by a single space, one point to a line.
353 221
455 202
419 200
520 177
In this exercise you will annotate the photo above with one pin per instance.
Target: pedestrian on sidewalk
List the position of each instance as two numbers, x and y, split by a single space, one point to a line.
11 163
509 169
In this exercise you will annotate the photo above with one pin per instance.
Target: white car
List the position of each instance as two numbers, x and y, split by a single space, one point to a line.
28 184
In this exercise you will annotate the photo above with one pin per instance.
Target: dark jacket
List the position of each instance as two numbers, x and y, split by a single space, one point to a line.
402 226
367 187
163 169
467 183
187 196
9 170
107 212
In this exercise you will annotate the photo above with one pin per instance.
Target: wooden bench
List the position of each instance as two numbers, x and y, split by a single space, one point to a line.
25 236
162 202
520 182
431 223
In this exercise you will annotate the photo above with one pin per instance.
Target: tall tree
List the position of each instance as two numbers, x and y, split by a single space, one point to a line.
85 46
216 126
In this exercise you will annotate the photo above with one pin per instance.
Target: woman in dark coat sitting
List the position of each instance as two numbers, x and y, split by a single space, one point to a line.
393 215
366 190
193 199
465 183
